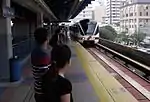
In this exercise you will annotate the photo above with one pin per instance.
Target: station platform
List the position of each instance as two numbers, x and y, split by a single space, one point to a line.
91 82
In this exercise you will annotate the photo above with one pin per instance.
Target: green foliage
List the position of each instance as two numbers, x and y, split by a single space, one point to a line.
111 29
135 38
117 24
138 36
107 32
123 37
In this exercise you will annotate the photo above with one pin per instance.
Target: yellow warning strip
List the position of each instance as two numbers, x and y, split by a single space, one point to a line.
107 88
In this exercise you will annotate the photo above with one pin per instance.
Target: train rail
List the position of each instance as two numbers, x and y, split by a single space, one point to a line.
129 63
124 70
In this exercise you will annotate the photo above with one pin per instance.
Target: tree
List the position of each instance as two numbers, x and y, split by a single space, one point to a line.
117 24
111 29
107 32
122 37
138 37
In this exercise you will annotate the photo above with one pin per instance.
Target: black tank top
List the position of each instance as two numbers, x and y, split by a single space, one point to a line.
54 89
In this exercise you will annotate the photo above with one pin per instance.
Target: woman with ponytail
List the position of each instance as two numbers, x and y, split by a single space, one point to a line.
56 87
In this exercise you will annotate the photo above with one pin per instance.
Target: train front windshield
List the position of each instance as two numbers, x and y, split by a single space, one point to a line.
91 29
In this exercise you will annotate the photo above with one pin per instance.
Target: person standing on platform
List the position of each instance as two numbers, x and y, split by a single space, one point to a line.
54 40
56 87
40 60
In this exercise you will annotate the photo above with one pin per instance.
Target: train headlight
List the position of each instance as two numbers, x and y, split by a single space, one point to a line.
83 38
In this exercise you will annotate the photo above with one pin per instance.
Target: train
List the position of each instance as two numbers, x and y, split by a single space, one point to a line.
86 31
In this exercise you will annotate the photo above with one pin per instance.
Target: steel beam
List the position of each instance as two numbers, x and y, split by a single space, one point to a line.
76 3
37 6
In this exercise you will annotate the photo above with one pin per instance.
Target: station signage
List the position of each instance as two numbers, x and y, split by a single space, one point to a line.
8 12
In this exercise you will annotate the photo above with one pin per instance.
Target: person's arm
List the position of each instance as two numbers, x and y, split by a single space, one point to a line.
65 98
66 89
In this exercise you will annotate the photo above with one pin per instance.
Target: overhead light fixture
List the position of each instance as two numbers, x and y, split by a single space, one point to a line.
12 23
45 24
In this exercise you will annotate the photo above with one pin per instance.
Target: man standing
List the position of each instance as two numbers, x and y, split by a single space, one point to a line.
55 39
40 60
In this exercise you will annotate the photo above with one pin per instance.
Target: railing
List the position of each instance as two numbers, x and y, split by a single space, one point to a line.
23 48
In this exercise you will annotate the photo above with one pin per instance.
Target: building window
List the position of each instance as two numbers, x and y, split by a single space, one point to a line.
140 20
131 1
131 20
140 13
131 14
147 7
113 13
146 20
126 15
146 13
132 26
114 16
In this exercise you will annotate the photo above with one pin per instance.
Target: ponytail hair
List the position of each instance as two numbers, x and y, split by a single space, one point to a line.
60 56
53 72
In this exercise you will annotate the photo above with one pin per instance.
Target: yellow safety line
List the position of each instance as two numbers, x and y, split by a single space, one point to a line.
107 88
98 87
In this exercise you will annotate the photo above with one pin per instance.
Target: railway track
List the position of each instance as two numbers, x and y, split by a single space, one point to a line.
130 77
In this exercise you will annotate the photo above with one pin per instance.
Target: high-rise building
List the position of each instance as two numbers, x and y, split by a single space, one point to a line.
87 13
113 11
99 14
135 16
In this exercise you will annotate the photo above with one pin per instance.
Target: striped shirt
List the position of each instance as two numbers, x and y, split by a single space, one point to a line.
40 62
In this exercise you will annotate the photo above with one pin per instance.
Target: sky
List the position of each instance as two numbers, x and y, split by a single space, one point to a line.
97 2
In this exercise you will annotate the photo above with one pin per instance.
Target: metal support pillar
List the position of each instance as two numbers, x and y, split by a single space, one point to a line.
5 44
40 20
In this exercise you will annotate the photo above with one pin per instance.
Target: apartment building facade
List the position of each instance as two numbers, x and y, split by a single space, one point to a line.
99 14
113 11
135 16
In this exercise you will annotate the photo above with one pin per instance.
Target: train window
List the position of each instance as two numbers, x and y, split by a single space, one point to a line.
97 31
91 29
80 31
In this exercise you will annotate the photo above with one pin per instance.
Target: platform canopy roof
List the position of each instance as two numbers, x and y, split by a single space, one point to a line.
66 9
54 10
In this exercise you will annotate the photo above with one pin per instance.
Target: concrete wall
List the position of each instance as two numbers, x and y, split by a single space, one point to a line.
24 26
20 30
